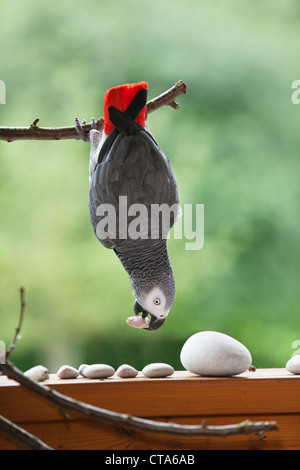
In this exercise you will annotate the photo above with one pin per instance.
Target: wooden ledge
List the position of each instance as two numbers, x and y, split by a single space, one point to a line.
263 395
182 376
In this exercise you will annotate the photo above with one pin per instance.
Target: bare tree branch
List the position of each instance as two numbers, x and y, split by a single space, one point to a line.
33 132
18 329
167 98
20 435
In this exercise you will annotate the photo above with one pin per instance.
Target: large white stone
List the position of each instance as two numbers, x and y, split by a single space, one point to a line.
98 371
293 365
214 354
158 369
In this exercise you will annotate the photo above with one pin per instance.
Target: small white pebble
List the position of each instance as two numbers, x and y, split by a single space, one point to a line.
126 371
67 372
98 371
293 365
81 368
37 373
158 369
137 322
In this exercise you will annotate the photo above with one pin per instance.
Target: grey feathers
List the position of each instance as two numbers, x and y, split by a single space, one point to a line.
134 167
133 203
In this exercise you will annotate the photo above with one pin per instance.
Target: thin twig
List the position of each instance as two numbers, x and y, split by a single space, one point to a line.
11 134
33 132
12 345
25 438
167 98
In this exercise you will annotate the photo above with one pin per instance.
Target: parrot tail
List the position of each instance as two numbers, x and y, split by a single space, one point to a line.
125 122
130 100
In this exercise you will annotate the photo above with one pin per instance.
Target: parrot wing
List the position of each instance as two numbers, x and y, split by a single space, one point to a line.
135 167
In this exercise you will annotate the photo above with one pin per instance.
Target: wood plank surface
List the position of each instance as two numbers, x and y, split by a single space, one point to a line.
267 394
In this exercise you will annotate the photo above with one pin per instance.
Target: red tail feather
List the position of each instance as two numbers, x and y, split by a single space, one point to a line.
120 97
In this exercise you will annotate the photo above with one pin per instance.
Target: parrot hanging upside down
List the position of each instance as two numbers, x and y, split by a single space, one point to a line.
126 161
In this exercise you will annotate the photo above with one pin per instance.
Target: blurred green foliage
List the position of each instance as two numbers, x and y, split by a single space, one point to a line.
234 146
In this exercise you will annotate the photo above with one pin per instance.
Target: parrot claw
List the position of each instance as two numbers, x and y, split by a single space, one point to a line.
80 131
93 124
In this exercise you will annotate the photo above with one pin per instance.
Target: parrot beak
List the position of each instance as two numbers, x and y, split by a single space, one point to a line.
155 323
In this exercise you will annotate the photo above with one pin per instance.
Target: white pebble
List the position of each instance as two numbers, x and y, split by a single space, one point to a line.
67 372
126 371
215 354
98 371
37 373
81 368
158 369
137 322
293 365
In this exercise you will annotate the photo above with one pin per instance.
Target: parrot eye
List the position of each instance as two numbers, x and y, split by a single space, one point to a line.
156 301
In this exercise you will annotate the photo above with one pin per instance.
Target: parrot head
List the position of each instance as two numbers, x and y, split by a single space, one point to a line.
155 302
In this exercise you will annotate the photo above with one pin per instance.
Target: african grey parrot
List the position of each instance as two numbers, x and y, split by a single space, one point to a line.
128 171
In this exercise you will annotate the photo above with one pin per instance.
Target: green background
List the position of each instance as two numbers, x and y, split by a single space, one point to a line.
234 147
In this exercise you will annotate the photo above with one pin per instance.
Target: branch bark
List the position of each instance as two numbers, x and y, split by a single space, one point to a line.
25 438
34 132
12 345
